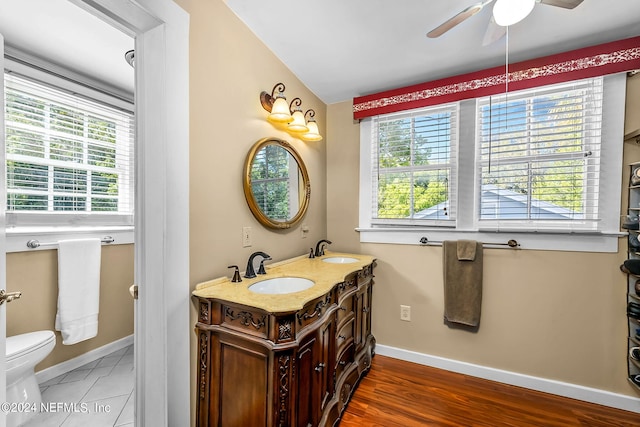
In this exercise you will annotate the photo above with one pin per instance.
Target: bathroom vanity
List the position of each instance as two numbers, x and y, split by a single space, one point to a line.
289 359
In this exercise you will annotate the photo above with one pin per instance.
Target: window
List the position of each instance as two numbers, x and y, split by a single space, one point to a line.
69 159
414 158
535 164
274 182
539 157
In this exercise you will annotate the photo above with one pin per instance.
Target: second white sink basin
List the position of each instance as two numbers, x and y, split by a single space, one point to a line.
339 260
281 285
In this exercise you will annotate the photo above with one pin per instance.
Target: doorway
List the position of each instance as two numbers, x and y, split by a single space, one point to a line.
162 327
161 226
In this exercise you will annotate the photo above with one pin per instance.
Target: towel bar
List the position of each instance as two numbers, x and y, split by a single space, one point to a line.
33 243
511 243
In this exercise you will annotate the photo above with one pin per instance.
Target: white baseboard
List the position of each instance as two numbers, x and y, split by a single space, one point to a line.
83 359
587 394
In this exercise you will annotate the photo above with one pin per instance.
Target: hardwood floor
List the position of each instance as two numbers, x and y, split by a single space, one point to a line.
396 393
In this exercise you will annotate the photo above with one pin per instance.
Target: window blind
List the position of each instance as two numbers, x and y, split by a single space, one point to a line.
272 188
66 155
539 157
413 156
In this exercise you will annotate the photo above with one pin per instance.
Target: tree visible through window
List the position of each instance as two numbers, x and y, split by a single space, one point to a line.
270 181
536 158
65 153
537 165
539 154
414 159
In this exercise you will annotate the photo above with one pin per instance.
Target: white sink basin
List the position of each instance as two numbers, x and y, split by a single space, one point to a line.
281 285
340 260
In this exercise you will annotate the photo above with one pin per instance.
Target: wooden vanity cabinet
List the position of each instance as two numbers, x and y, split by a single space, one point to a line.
363 308
257 368
315 376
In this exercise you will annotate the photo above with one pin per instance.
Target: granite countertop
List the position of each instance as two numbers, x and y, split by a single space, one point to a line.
325 275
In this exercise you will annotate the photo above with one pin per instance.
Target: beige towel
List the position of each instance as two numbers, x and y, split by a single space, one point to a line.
462 282
466 250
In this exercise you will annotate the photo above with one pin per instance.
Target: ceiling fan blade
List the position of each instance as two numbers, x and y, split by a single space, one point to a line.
494 33
462 16
567 4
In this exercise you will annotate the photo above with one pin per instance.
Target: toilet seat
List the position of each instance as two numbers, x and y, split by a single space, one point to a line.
20 345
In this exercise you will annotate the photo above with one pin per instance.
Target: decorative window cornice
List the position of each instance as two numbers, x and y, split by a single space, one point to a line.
608 58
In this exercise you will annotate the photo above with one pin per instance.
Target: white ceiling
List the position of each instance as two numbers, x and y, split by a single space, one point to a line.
345 48
64 34
337 48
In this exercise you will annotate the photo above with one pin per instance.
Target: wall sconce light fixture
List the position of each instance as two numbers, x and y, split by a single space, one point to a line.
312 134
276 105
290 114
298 124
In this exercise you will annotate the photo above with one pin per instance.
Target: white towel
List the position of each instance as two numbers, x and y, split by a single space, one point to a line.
78 289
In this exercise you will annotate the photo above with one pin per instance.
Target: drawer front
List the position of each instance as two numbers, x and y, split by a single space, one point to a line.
345 359
344 336
314 310
248 321
345 308
349 284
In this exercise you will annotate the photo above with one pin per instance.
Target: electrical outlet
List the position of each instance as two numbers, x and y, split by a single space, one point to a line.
405 313
246 237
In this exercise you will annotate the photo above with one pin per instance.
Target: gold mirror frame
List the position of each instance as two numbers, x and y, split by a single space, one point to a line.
248 192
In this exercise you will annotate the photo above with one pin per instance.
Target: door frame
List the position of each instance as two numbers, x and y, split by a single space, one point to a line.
3 250
161 30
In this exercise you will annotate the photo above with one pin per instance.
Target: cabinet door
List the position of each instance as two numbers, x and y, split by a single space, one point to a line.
363 316
366 312
316 364
359 306
307 385
241 379
326 366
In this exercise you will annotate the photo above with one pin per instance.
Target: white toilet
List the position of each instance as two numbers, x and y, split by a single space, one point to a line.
24 352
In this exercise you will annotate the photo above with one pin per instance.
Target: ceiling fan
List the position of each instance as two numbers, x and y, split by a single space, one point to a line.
499 19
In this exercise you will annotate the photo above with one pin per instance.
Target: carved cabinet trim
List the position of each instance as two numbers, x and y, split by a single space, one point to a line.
319 353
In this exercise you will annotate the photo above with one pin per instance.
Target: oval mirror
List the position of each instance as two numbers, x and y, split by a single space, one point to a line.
276 183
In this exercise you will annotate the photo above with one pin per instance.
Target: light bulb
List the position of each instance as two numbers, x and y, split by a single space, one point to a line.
313 134
298 124
509 12
280 110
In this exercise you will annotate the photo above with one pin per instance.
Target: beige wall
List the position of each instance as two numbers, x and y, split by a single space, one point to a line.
548 314
35 273
229 67
555 315
632 114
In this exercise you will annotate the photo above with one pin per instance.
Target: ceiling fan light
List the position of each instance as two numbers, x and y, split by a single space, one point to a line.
509 12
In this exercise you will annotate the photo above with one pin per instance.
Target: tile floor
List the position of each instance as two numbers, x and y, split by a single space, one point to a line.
102 391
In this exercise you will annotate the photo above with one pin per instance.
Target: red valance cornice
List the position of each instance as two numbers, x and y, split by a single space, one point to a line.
608 58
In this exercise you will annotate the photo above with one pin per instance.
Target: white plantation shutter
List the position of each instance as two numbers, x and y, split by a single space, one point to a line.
69 158
414 155
539 157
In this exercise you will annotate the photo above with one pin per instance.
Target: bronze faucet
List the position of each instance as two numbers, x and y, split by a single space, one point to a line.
320 247
250 272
